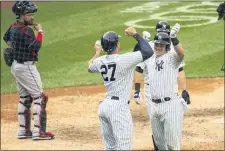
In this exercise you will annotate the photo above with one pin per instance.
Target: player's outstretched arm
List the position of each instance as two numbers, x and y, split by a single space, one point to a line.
145 48
176 43
98 50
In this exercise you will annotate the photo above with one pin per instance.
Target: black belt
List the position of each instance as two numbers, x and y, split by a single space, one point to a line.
22 62
161 100
117 98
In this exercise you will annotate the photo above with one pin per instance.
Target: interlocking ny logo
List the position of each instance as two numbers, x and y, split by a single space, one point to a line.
159 65
164 26
159 37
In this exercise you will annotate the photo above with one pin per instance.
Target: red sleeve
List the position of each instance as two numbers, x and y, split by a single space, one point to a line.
40 36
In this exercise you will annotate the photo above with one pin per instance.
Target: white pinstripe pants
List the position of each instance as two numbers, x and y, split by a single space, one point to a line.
166 122
116 124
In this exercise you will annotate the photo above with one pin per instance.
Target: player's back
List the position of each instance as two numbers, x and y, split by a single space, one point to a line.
118 72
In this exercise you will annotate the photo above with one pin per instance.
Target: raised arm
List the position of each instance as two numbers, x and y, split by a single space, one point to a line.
98 50
145 48
176 43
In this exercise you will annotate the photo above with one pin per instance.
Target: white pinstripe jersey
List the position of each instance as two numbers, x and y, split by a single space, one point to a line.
163 73
143 65
117 72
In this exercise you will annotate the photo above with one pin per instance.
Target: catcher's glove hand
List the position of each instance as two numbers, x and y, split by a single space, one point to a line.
137 97
186 97
8 56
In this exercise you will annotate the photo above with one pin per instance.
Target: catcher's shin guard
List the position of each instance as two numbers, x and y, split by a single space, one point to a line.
24 117
40 118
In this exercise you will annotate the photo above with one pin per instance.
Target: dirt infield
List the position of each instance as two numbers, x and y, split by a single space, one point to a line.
72 114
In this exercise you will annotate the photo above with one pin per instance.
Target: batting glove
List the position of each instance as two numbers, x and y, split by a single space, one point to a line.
174 30
137 97
186 97
146 35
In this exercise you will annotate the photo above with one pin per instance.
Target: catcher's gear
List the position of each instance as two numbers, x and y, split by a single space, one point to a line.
146 35
221 11
40 114
24 7
186 97
163 38
174 30
8 56
163 26
109 41
40 119
24 116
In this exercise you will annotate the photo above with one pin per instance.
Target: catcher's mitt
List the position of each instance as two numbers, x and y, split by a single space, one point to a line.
8 56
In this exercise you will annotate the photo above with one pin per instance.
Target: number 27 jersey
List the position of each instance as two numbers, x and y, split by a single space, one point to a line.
117 72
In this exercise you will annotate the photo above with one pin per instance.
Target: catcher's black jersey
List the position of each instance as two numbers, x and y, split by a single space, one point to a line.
23 42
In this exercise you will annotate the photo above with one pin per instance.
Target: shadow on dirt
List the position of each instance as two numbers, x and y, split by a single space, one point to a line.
84 135
205 112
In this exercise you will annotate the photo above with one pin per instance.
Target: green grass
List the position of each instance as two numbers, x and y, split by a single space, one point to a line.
71 28
153 22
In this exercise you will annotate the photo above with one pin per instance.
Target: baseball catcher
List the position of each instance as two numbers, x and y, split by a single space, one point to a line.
22 56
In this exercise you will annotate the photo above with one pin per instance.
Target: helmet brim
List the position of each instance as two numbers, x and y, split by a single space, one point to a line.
161 42
163 30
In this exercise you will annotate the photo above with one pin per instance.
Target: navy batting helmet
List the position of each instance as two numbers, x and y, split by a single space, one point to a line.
163 26
163 38
221 11
24 7
109 41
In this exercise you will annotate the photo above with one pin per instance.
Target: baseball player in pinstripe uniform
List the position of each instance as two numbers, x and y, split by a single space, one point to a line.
142 68
166 107
117 72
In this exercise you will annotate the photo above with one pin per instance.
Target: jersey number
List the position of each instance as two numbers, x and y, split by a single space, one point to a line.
105 70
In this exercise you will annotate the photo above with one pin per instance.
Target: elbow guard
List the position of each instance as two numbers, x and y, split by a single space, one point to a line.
175 41
138 69
181 69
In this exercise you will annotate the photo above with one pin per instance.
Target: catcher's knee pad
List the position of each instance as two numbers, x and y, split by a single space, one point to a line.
24 111
40 114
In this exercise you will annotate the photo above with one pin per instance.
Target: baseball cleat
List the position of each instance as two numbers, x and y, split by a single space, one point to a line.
25 136
44 136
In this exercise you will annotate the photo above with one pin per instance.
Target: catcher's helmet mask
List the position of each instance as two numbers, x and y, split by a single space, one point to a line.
163 38
163 26
109 41
24 7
